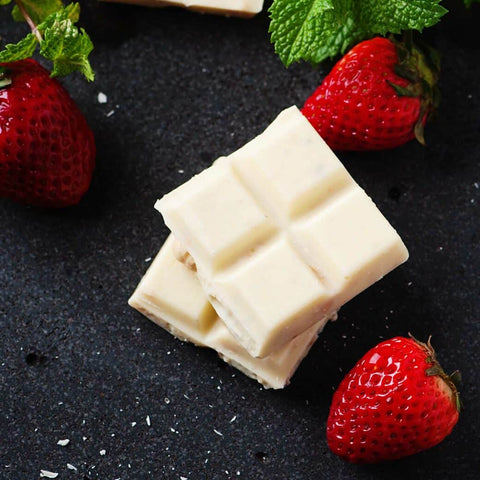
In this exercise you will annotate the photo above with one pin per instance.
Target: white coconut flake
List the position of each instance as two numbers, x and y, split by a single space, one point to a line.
71 467
148 420
217 432
149 259
233 419
103 452
102 98
110 113
134 423
63 442
84 438
47 474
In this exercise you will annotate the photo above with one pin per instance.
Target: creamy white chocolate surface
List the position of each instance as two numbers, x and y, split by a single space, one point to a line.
240 8
171 295
281 235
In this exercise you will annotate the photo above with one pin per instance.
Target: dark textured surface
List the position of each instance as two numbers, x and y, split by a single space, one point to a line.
78 363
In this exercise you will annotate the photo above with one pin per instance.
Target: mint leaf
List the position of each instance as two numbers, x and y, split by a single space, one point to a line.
18 51
38 10
65 45
395 16
469 3
53 28
4 2
70 12
297 27
314 30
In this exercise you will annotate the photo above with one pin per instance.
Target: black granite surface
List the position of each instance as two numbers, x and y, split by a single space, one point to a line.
76 362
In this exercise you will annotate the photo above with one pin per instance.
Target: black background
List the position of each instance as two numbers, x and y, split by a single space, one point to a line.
76 362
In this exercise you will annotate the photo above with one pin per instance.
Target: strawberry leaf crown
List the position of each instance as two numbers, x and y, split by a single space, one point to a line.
53 30
420 65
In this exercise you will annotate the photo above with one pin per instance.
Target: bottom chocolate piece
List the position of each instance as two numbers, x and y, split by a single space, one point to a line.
170 295
236 8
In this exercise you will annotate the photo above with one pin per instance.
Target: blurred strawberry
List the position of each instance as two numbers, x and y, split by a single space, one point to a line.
47 150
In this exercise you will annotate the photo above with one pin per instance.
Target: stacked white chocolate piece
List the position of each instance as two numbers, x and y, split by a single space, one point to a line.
270 242
237 8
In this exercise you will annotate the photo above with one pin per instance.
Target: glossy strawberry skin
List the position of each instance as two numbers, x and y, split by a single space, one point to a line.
387 407
355 108
47 149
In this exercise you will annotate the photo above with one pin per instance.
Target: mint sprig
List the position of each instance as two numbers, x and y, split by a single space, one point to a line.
314 30
55 33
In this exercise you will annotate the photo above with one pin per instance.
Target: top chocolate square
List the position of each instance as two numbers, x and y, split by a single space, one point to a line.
281 234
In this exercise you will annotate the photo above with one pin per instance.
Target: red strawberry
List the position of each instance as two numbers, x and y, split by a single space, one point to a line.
396 401
47 150
377 96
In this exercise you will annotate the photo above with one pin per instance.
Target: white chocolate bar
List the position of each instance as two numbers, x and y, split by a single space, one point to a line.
171 295
281 234
238 8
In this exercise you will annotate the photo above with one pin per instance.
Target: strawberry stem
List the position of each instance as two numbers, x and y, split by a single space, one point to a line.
29 20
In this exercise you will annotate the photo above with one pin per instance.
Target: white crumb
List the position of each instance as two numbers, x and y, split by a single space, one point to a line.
476 185
166 400
218 433
134 423
47 474
181 171
148 420
233 419
102 98
71 467
149 259
84 438
110 113
183 478
103 452
64 442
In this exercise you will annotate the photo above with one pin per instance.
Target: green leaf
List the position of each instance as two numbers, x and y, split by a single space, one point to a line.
38 10
295 27
18 51
65 45
314 30
395 16
469 3
5 2
70 12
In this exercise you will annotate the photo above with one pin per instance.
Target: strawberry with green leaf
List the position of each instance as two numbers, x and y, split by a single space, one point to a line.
47 149
378 96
